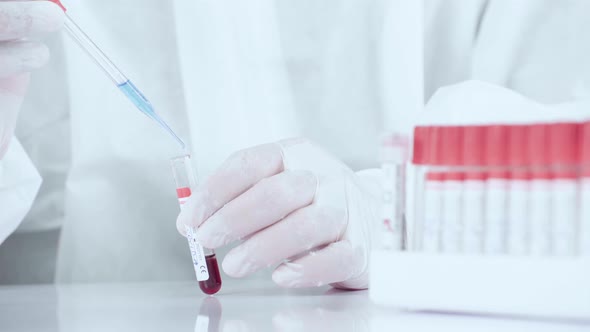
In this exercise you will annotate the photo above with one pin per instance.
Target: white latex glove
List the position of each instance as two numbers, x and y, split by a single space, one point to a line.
20 20
293 204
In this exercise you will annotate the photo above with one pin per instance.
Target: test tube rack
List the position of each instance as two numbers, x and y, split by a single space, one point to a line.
500 224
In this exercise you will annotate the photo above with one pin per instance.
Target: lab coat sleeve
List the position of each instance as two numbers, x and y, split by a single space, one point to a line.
19 184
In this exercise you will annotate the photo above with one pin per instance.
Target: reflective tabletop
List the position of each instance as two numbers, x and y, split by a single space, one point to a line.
248 306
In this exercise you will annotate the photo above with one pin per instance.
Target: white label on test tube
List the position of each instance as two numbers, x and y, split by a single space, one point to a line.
564 216
585 216
518 228
495 211
433 200
197 253
540 216
473 215
451 217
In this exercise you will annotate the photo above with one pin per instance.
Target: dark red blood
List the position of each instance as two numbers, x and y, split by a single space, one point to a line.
213 284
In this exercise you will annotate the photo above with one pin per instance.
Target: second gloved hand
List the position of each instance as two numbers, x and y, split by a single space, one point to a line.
20 20
292 204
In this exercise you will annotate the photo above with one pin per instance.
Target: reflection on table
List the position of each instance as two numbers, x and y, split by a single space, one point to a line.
240 306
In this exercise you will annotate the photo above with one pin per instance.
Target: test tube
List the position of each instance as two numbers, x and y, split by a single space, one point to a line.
518 227
496 196
204 260
473 189
433 194
394 158
452 191
562 150
540 190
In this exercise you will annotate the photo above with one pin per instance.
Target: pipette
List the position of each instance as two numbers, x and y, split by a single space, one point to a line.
109 68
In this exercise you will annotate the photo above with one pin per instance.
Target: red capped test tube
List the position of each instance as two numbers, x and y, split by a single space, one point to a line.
563 156
394 150
496 196
474 188
433 188
451 236
204 260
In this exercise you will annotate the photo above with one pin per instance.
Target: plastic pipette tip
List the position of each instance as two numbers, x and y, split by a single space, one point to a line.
173 134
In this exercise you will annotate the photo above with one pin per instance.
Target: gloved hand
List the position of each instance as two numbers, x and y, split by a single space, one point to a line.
20 20
291 203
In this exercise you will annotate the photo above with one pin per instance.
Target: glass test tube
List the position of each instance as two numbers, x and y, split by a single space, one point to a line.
204 260
394 159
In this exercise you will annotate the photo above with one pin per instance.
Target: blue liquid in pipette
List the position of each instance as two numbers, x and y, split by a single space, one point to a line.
141 102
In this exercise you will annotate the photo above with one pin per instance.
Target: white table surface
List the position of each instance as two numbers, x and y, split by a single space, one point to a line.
247 306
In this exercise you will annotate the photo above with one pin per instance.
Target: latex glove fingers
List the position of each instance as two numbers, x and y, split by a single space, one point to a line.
339 189
337 262
342 264
22 19
301 231
21 56
268 201
286 198
237 174
19 20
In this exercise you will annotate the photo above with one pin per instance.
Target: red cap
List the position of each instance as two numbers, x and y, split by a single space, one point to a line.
585 148
435 144
452 139
452 146
517 152
57 2
434 148
537 150
496 151
517 145
183 192
473 150
420 152
563 149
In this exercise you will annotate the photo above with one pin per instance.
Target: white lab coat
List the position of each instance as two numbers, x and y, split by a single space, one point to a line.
230 74
19 183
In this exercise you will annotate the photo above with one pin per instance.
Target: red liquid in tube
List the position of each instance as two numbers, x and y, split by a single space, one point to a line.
213 284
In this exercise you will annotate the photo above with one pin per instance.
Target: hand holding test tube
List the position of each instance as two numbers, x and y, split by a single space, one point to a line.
204 259
295 206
